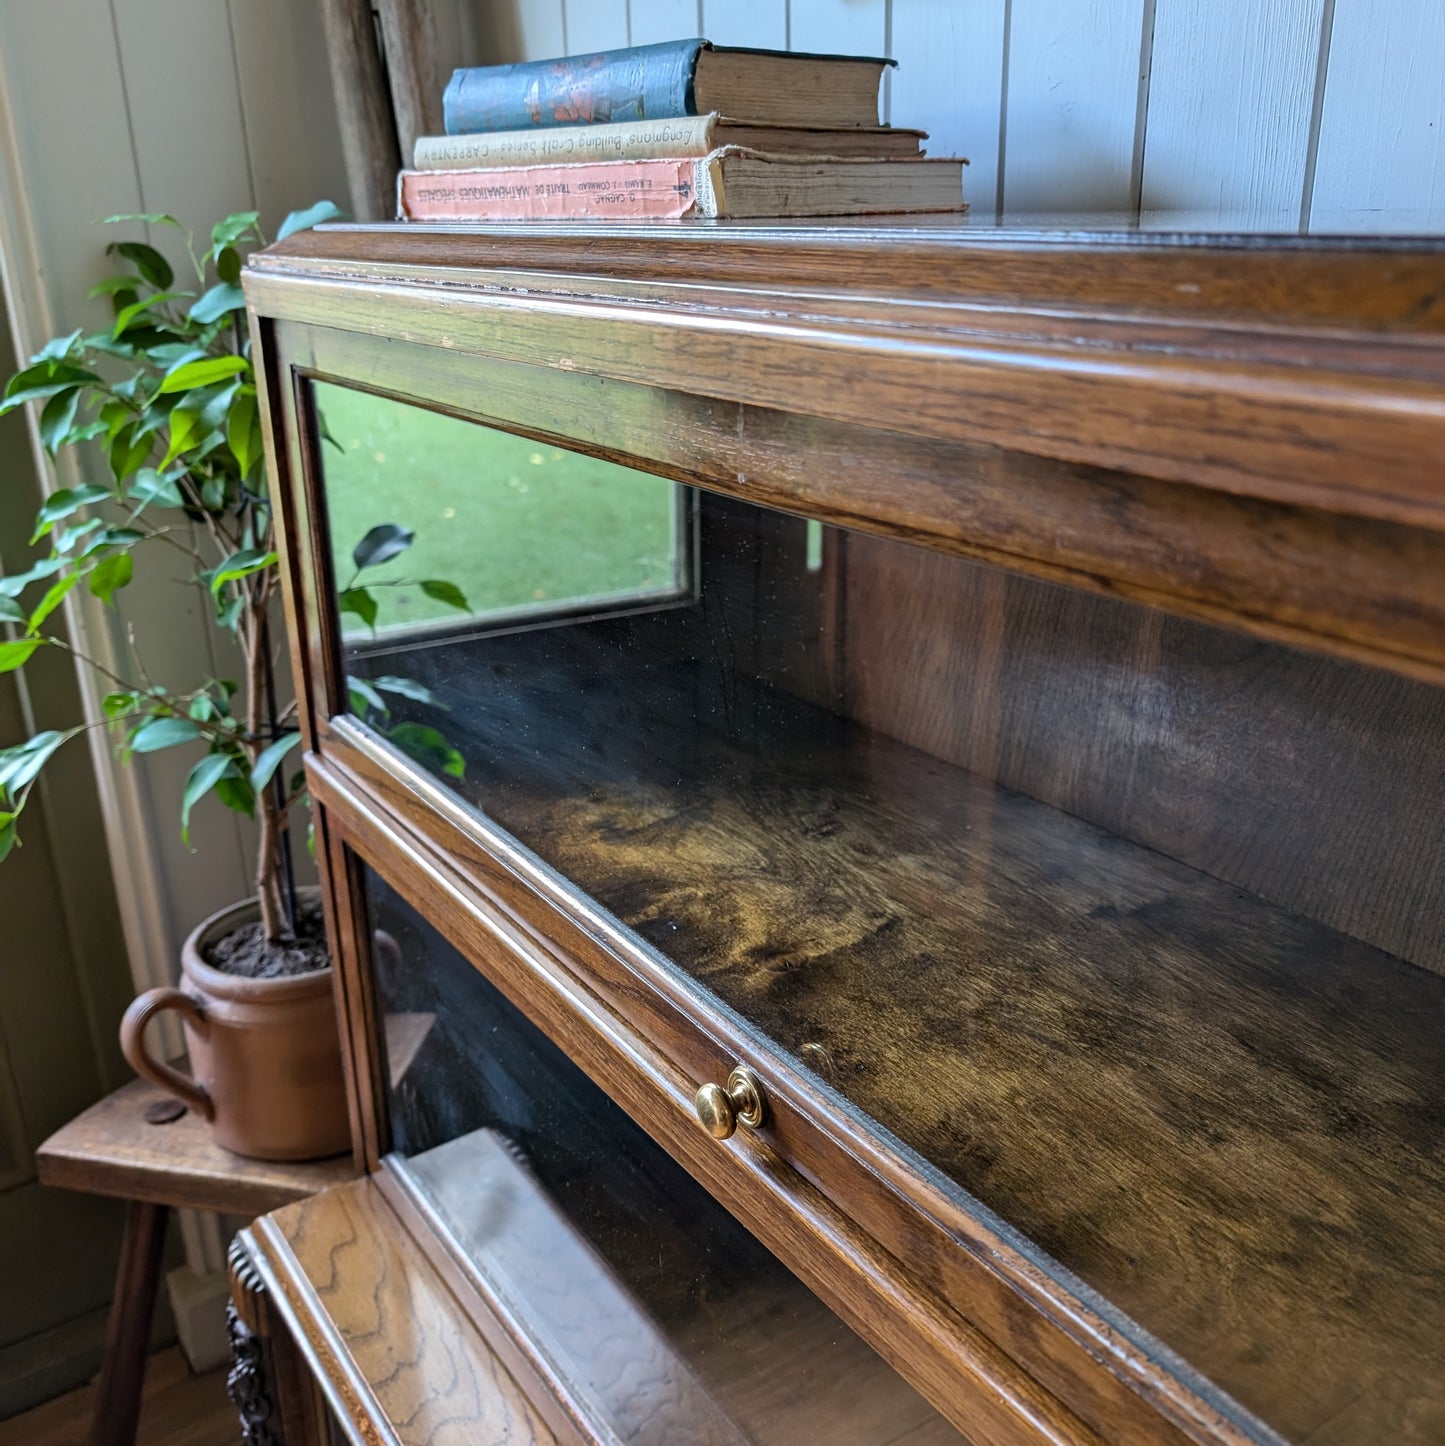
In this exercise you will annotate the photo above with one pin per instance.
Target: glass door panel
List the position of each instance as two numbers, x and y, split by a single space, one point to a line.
1129 928
669 1319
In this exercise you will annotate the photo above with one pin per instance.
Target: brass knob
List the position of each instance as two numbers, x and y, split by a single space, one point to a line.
721 1110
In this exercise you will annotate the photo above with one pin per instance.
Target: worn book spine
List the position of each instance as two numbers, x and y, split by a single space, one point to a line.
647 140
627 190
647 82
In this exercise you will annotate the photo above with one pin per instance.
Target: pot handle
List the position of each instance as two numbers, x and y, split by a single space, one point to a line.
142 1010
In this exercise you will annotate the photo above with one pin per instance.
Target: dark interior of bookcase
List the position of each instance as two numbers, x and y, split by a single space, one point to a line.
1088 905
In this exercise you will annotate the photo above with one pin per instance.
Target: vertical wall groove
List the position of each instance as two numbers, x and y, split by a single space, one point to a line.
1141 112
998 192
1312 152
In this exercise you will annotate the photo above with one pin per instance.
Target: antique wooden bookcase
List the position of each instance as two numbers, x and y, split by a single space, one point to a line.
970 696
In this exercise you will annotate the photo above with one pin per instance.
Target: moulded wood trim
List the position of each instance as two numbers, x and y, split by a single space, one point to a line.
1245 563
1107 388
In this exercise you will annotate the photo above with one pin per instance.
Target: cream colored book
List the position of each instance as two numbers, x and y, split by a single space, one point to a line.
674 138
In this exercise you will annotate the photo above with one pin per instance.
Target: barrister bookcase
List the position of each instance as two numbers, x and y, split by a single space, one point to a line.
881 815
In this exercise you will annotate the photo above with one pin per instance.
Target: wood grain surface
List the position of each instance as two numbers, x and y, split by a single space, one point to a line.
1263 402
1098 1042
395 1353
110 1149
1251 564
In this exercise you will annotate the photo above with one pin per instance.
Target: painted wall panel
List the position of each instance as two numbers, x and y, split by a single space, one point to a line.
655 20
760 23
949 83
292 141
1231 96
1380 161
843 27
595 25
1072 108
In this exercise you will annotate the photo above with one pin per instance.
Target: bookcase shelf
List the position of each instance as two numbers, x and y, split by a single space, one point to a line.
1223 1117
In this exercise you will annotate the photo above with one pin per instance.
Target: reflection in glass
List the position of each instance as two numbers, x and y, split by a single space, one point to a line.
1127 927
671 1320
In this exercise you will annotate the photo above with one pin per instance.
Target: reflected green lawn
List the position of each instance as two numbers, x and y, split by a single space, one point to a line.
512 522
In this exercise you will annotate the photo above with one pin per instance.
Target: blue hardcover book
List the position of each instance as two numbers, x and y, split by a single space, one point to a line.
654 82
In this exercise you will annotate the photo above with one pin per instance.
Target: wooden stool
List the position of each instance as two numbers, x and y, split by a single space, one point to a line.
146 1148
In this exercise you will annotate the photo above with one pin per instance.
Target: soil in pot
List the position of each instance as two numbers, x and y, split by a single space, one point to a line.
247 954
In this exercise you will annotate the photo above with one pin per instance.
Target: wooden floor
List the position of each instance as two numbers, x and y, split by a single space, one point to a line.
179 1410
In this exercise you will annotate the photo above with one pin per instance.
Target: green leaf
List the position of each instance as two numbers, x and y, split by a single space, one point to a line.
17 654
219 300
270 759
186 430
359 601
58 348
11 611
58 418
18 766
311 216
148 218
62 503
189 375
384 542
241 564
8 838
117 705
364 697
243 430
146 259
406 688
110 575
230 229
52 600
14 586
129 449
37 383
228 264
113 537
237 794
203 778
128 314
152 486
446 592
428 747
66 537
326 431
83 433
113 285
161 733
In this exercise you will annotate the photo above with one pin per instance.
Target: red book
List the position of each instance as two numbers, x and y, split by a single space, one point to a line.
652 189
728 182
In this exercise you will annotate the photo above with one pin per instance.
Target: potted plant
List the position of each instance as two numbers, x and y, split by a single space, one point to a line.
168 395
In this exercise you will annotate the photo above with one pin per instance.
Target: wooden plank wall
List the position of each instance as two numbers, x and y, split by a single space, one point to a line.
1323 115
196 107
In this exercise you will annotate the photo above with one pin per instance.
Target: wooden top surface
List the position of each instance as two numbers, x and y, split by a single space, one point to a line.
388 1340
112 1150
1308 373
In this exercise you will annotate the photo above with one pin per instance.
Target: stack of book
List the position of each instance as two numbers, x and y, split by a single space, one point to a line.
665 131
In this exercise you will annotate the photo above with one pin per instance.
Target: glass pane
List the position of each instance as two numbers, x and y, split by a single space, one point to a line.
505 525
1129 928
669 1316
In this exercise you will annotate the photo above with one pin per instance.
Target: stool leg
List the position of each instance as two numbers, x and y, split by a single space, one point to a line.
127 1332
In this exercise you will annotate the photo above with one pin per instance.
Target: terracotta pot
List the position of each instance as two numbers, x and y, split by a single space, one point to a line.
266 1052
